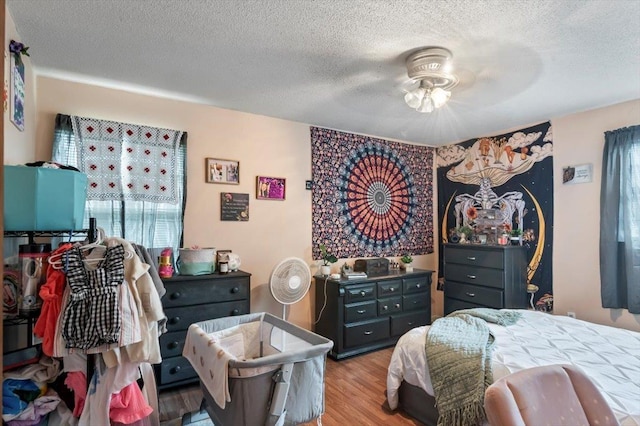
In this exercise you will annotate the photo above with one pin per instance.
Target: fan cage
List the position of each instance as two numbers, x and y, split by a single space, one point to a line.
290 281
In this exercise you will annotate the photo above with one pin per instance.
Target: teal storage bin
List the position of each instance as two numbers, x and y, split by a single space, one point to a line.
42 199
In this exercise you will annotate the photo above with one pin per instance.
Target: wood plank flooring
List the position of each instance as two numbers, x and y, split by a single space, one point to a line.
355 394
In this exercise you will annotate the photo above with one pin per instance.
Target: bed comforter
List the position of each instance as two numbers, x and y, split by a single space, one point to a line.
609 356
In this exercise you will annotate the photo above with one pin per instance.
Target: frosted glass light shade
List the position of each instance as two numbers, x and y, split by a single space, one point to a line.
440 97
414 97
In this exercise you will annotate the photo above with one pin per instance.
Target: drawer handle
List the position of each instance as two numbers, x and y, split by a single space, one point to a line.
175 295
368 333
410 323
385 307
363 293
175 370
172 345
471 258
471 294
397 306
471 277
418 285
174 320
415 302
392 289
361 311
236 311
235 290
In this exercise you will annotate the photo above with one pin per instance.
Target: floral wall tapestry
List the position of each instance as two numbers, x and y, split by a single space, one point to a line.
371 197
504 182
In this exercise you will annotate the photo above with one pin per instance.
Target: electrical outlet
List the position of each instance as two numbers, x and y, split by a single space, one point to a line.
571 314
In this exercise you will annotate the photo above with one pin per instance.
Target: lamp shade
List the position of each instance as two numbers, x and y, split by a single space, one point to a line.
440 97
414 97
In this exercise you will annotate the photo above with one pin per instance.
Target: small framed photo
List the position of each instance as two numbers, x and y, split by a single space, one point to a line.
222 171
223 255
270 188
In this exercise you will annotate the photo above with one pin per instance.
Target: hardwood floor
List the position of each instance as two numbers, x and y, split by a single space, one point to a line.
355 394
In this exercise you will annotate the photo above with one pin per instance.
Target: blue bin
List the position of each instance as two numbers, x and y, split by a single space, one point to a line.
42 199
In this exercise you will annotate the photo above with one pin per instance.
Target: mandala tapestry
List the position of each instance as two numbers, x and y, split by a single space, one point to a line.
501 183
371 197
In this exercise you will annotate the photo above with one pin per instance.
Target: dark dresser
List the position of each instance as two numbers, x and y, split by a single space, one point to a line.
362 315
192 299
484 276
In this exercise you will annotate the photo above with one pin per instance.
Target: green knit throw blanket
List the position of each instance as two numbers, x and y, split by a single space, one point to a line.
459 358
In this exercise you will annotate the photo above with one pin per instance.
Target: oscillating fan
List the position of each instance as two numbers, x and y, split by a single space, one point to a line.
289 282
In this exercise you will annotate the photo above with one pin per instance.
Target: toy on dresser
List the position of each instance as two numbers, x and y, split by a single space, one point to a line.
165 269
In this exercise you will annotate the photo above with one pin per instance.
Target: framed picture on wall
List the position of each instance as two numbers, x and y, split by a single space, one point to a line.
16 100
270 188
222 171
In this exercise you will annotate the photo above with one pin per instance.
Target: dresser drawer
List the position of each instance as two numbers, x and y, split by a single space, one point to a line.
416 285
175 369
182 318
171 344
205 291
363 333
360 293
402 323
488 297
473 275
389 288
475 257
451 305
389 305
360 311
416 301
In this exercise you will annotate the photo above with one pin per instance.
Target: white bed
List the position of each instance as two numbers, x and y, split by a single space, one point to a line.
610 357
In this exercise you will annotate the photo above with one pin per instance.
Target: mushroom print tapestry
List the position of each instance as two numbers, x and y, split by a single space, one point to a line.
371 197
501 186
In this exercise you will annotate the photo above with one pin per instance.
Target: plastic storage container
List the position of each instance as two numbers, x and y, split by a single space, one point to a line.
43 199
33 268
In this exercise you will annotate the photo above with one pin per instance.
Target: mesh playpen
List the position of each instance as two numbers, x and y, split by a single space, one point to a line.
257 369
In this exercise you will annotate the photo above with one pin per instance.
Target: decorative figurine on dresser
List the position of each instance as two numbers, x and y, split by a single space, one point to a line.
194 298
365 314
490 276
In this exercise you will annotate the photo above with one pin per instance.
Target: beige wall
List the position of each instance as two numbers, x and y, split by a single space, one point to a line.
579 139
19 147
264 146
281 148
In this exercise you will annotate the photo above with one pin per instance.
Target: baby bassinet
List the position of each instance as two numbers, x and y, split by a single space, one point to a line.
257 369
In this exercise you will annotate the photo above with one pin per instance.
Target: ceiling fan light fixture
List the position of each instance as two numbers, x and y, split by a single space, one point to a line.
440 97
431 67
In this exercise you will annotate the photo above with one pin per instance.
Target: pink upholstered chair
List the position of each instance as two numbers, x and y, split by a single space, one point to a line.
548 395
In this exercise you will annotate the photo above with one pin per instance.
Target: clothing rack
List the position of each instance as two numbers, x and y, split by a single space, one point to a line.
91 233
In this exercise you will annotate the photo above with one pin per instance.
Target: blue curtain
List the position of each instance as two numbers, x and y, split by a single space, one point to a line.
620 220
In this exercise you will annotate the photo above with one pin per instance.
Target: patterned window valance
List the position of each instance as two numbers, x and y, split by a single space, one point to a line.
127 161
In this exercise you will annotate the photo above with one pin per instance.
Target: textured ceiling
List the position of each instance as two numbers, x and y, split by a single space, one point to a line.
340 63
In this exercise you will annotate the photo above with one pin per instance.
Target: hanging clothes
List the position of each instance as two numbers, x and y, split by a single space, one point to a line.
51 295
92 316
149 308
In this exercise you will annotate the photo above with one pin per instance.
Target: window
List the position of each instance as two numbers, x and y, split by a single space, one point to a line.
113 157
620 220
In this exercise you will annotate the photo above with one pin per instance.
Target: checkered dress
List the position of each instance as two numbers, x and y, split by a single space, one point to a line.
92 315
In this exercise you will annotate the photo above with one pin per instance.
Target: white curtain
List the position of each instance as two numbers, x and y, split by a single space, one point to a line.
117 197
